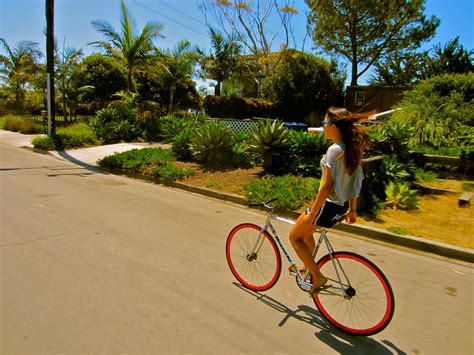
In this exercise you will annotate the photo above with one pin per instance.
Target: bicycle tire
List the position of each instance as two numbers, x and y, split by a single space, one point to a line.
368 307
258 271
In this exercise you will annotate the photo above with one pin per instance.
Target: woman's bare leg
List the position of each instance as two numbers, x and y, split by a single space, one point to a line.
300 236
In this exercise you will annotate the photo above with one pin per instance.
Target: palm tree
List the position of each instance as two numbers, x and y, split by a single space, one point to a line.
127 46
65 63
18 67
179 65
223 60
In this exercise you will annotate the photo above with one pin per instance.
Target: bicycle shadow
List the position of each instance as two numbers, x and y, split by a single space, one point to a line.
339 341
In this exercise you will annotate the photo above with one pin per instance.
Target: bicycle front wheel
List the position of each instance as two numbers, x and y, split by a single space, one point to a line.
363 302
253 257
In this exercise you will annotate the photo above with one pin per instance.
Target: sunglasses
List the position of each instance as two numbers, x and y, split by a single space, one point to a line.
327 122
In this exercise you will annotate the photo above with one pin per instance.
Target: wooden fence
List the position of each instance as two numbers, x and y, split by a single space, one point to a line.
465 166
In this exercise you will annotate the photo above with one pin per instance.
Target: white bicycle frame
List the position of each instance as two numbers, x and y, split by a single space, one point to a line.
268 226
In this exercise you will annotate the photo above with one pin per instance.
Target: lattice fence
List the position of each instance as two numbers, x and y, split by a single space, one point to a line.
237 125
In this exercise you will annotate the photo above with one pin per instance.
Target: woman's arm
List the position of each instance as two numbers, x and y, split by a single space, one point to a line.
324 191
351 215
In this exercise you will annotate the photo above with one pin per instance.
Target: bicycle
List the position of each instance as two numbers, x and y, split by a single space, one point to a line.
360 300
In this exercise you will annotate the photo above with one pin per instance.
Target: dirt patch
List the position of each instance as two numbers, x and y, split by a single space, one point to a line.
229 180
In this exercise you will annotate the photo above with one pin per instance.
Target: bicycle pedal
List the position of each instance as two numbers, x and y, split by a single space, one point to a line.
306 286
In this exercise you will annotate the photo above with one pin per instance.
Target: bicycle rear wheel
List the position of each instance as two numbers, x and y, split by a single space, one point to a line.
255 262
364 303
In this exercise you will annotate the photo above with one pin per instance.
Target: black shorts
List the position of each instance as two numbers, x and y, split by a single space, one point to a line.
329 214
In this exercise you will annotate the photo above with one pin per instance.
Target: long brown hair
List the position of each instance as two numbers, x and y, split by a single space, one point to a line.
354 138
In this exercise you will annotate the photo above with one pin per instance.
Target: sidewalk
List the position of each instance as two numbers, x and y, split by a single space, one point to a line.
88 157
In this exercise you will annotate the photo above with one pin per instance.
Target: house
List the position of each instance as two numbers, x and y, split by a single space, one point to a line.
373 98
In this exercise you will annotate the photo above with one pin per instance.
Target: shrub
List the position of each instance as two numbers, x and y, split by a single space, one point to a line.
399 196
137 160
290 191
110 126
237 107
170 172
76 136
21 124
211 144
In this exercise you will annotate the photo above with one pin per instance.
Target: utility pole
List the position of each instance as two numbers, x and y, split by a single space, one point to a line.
50 65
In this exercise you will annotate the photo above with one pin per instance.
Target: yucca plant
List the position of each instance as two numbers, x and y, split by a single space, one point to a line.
269 141
399 196
211 144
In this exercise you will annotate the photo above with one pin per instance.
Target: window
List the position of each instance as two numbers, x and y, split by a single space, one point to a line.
359 98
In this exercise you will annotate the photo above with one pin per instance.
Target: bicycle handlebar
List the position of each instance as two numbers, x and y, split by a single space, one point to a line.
265 204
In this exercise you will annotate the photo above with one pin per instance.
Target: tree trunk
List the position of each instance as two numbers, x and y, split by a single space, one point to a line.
217 89
130 84
171 105
50 58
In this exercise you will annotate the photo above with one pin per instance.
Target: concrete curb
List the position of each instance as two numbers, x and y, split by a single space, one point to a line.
426 245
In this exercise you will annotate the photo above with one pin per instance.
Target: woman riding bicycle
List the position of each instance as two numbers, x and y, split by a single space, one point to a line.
340 186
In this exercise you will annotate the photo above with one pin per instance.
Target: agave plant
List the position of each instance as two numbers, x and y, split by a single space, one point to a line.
170 126
269 141
181 144
392 138
392 170
211 144
399 196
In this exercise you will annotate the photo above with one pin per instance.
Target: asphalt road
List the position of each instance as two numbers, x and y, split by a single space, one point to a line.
96 263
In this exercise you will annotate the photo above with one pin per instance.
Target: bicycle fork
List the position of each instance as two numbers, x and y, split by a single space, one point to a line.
347 291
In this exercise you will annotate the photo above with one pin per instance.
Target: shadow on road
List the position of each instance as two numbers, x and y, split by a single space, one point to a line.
340 342
69 157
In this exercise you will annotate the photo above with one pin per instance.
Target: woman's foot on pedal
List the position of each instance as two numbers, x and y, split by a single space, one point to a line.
319 286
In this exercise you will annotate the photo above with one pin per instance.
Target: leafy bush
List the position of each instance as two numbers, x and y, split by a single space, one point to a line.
422 175
269 142
113 125
237 107
399 196
21 124
211 144
76 136
290 191
170 172
441 111
136 160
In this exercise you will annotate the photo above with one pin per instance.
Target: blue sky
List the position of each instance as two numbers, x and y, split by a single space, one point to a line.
25 20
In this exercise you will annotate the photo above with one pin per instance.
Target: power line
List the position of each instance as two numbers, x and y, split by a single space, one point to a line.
182 13
170 19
